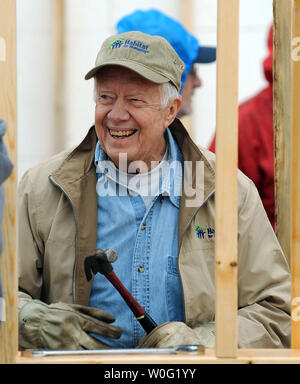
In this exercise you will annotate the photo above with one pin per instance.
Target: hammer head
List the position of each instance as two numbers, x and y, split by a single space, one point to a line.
100 261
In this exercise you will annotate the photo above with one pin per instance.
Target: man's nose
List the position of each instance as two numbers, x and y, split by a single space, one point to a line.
118 111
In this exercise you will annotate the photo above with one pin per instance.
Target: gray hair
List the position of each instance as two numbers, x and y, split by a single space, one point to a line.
168 92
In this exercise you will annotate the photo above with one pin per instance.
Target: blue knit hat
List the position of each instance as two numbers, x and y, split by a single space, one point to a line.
186 45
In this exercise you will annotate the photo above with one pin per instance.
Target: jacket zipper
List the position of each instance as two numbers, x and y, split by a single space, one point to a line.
180 244
76 233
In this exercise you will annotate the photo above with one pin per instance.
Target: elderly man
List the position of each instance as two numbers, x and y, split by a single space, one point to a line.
128 186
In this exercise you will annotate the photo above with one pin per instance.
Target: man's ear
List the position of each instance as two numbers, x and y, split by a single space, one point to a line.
171 111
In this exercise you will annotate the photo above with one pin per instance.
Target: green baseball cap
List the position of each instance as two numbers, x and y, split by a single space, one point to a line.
151 57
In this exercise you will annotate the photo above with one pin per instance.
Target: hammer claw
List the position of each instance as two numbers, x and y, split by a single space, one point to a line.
99 262
88 267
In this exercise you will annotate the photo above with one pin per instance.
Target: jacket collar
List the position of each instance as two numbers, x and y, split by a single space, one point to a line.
81 160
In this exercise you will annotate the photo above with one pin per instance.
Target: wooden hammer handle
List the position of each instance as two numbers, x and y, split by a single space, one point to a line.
140 313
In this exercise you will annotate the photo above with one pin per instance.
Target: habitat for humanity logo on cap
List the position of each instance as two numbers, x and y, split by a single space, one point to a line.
133 44
152 57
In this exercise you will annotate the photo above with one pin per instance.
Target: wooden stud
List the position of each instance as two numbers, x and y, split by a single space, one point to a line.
244 356
226 178
295 250
8 108
282 105
187 18
59 65
187 13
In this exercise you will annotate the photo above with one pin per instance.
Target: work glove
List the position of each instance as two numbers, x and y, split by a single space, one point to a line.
63 326
171 334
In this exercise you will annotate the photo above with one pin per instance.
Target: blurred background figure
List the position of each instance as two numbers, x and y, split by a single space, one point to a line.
5 171
187 46
256 153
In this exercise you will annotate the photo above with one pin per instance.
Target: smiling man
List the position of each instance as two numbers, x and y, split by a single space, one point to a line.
129 117
124 188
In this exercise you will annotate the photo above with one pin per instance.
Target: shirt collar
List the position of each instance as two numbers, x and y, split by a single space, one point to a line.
172 180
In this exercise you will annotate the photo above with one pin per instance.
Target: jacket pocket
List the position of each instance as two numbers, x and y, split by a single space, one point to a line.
174 291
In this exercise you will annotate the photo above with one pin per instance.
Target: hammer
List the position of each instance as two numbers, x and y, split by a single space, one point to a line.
101 261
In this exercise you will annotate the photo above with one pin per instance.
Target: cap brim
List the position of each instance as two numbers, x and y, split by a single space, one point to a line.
136 67
206 55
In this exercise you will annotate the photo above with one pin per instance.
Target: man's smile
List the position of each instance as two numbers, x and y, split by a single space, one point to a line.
121 133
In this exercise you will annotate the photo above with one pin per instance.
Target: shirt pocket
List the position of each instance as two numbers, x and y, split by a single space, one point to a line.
174 291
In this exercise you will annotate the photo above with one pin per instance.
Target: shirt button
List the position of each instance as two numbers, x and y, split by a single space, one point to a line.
130 192
143 227
141 269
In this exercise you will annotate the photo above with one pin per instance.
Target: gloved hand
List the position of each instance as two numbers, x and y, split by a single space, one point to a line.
63 326
171 334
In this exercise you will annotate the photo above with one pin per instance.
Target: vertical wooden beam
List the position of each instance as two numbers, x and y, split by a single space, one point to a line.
295 251
187 17
283 121
187 7
226 178
59 65
8 108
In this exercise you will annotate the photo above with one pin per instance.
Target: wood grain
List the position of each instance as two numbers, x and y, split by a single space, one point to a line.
187 19
226 178
295 249
283 121
59 20
244 356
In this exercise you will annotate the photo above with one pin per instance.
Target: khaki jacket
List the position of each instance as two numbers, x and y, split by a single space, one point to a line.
58 229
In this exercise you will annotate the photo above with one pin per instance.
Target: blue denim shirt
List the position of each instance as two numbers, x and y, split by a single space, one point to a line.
146 240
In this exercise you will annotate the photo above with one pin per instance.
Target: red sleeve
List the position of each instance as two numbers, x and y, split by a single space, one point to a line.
212 146
248 144
248 152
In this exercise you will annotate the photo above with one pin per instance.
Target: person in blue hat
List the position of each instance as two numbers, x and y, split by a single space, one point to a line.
186 45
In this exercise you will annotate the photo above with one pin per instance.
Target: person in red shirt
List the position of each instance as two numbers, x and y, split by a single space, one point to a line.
256 153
